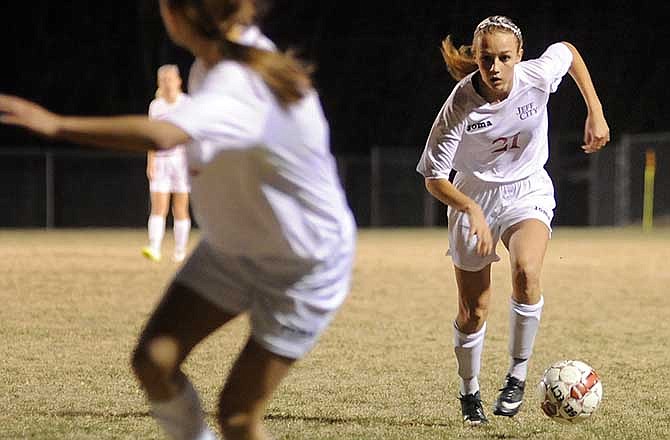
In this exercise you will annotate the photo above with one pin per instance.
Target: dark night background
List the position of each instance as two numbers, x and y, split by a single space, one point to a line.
379 70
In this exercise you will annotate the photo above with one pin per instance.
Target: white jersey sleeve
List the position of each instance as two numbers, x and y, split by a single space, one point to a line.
228 111
445 136
547 71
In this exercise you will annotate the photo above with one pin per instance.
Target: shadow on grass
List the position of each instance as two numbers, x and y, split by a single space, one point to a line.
354 420
276 417
488 431
497 430
101 414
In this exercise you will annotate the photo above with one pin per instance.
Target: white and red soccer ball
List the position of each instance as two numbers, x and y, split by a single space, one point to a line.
570 391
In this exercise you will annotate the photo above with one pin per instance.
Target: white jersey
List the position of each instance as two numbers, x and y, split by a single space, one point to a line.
502 142
158 108
264 183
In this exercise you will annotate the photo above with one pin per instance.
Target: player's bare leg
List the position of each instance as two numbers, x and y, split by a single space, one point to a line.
474 294
182 225
252 381
181 320
527 244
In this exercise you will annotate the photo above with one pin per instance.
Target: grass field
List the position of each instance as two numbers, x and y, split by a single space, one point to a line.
73 302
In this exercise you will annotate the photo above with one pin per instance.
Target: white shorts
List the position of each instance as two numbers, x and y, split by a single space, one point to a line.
290 304
504 205
170 173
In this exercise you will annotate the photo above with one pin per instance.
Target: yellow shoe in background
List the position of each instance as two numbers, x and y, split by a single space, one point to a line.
151 254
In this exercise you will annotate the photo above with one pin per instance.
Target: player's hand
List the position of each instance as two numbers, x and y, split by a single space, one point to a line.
480 229
23 113
596 133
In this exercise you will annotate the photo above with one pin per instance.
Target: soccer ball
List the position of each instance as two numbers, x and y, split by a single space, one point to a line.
570 391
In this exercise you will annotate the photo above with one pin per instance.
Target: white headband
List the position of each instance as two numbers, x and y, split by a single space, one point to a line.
500 21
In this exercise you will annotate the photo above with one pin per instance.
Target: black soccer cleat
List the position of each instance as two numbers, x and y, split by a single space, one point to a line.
473 412
510 398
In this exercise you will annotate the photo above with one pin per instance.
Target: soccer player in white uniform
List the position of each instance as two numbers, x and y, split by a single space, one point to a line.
168 173
492 131
278 237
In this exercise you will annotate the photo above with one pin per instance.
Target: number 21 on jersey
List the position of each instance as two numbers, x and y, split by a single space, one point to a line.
506 143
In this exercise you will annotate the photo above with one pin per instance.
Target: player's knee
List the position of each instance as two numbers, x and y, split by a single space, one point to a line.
472 319
180 214
526 277
155 358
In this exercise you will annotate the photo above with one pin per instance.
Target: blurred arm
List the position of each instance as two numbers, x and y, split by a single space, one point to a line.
135 133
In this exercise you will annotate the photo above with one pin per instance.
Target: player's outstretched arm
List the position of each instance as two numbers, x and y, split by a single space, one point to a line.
596 130
137 133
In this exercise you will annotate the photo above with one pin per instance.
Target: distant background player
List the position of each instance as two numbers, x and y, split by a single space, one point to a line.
168 174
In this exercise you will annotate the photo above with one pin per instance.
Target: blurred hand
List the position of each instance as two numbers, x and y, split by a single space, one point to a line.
596 133
23 113
480 228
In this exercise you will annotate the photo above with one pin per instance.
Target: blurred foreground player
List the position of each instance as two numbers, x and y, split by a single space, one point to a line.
278 237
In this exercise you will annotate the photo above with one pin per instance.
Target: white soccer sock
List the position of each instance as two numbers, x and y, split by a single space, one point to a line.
156 226
468 349
182 417
181 229
524 324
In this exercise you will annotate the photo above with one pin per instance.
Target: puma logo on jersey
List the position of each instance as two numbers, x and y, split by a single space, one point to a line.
526 111
478 125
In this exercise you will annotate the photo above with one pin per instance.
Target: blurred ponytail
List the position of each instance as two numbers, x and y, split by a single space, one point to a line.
288 79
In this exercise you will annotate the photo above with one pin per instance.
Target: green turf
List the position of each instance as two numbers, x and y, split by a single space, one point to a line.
73 303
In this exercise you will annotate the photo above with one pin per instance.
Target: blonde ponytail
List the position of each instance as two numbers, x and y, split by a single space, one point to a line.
460 62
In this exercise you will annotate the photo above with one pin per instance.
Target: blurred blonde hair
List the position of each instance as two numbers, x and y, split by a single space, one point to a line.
287 78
